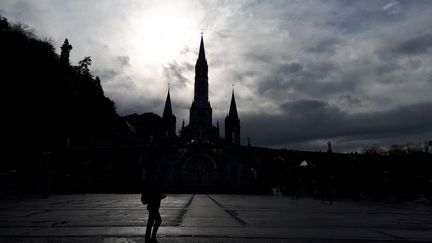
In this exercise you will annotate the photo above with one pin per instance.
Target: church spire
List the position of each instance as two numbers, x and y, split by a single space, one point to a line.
201 55
200 117
201 67
233 107
167 110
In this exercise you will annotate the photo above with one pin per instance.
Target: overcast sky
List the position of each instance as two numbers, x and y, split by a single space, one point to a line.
305 72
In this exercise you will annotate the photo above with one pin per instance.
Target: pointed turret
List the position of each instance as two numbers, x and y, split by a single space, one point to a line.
168 109
232 123
168 121
233 107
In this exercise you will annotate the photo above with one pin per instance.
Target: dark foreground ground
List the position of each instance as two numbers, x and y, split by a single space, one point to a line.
211 218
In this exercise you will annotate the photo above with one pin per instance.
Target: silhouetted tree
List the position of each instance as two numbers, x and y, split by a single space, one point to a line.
3 24
83 66
372 149
396 149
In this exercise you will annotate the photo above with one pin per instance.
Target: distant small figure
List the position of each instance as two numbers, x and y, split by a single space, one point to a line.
326 189
276 191
329 148
152 196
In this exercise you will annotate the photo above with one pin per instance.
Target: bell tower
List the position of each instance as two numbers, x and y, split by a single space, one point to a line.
201 111
200 117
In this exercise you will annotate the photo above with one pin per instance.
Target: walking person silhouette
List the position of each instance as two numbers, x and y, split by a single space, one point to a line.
152 196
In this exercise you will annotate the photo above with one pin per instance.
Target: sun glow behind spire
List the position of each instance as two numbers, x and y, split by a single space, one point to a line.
159 34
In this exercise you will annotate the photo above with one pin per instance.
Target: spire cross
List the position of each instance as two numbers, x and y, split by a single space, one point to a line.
202 32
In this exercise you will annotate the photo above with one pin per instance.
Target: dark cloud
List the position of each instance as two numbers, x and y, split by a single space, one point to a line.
185 51
385 68
417 45
292 67
326 46
314 79
175 73
108 74
224 34
123 60
308 120
116 71
349 100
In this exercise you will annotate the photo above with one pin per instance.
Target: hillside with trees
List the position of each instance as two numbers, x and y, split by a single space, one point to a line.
49 106
49 103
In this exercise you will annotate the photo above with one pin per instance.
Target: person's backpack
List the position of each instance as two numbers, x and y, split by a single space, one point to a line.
144 198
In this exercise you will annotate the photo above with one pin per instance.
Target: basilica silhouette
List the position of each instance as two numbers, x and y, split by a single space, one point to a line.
198 158
200 128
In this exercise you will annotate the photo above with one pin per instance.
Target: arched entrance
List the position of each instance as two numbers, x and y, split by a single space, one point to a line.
199 171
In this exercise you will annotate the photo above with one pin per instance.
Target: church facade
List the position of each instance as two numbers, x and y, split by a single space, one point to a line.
199 157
